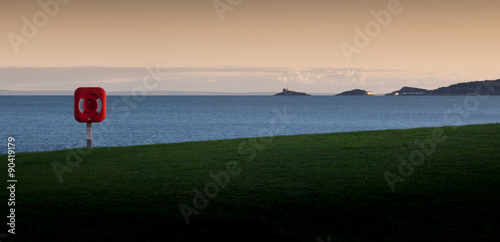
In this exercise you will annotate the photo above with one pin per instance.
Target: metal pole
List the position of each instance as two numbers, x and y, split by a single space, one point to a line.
89 135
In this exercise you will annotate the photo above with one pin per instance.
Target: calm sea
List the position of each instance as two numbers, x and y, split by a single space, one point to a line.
43 123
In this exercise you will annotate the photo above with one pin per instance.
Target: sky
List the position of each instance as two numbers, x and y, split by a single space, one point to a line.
315 46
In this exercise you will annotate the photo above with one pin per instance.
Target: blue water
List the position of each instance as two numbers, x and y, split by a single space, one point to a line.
43 123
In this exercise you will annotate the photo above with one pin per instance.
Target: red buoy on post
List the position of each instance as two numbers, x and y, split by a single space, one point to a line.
89 107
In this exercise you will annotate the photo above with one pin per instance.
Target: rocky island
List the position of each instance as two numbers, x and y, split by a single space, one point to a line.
288 92
356 92
409 91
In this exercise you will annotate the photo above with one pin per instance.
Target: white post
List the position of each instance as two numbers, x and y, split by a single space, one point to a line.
89 135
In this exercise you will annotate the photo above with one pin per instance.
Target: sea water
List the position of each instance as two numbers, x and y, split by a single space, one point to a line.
43 123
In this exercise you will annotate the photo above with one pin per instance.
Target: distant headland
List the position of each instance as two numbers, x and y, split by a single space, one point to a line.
459 89
288 92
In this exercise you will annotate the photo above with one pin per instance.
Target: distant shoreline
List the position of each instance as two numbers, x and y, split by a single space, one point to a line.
487 87
475 88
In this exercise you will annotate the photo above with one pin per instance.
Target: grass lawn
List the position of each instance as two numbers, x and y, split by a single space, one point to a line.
446 185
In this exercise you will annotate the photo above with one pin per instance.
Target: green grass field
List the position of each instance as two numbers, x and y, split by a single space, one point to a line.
287 188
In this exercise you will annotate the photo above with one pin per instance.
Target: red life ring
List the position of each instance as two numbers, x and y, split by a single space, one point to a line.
90 104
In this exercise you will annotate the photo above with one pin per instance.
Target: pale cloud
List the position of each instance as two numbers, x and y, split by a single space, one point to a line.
349 76
283 78
349 73
355 76
114 80
26 85
297 77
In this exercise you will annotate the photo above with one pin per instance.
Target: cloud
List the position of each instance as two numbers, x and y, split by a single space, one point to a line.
297 77
347 76
355 76
26 85
349 73
283 78
114 80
